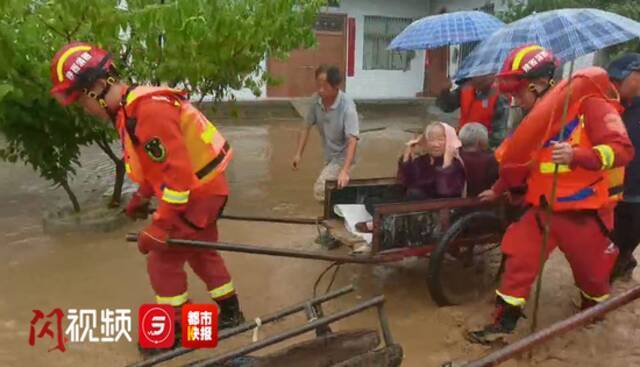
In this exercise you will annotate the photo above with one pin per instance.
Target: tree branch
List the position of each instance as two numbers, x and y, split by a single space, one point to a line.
34 81
201 99
82 19
203 92
104 145
51 28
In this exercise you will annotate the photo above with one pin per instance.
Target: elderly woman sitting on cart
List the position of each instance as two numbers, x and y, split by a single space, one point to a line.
439 173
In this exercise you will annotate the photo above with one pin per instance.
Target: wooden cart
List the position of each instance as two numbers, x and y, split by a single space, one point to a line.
459 236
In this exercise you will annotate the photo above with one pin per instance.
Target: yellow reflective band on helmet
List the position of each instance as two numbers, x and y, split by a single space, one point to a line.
607 157
513 301
175 197
223 290
521 54
550 167
64 58
207 135
597 299
174 301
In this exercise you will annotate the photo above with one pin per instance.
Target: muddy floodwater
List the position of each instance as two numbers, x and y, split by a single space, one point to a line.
100 270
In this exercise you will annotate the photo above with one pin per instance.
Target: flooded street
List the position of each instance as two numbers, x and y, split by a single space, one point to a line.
101 270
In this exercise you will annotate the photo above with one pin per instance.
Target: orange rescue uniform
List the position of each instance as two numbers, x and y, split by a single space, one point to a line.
583 210
178 156
473 109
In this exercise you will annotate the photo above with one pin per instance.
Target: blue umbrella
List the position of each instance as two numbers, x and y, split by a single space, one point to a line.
569 33
446 29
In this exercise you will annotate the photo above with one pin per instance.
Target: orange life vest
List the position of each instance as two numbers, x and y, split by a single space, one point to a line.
473 109
577 188
546 117
208 150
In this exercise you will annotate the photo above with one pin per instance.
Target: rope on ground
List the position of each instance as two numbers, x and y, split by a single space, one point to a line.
325 271
327 240
254 337
333 278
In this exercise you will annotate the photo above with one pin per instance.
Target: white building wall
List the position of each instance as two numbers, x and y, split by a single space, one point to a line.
383 83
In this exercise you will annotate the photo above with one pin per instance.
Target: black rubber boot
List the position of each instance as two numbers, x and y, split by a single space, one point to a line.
506 317
230 314
586 303
624 268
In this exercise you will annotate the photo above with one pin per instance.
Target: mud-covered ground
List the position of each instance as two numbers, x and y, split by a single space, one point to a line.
100 270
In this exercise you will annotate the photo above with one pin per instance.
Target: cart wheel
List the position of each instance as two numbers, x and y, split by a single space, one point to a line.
462 273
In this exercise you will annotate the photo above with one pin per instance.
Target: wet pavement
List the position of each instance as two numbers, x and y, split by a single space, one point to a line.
100 270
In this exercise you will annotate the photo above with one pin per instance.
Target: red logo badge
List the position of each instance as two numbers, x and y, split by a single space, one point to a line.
199 326
156 326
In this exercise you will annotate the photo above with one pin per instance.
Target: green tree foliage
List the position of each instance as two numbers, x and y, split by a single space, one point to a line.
208 46
629 8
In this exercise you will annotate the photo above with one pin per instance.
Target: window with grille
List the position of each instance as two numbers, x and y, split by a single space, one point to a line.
466 48
489 8
330 23
378 33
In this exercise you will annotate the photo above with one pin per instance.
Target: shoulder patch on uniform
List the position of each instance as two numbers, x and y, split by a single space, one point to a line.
155 150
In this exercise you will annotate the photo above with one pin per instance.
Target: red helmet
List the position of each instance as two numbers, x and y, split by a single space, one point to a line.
76 67
523 64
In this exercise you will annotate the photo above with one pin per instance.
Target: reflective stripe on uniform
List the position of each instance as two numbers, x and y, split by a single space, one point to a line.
578 196
550 167
127 167
175 197
593 298
607 157
223 290
209 132
175 301
131 97
513 301
204 171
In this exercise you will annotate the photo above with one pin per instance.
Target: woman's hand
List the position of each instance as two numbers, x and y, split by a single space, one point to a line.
488 195
409 152
448 158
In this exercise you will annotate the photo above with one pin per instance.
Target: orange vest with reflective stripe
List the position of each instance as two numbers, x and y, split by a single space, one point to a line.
208 150
473 109
577 188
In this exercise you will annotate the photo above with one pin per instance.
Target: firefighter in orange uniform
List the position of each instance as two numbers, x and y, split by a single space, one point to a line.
479 101
595 144
175 154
